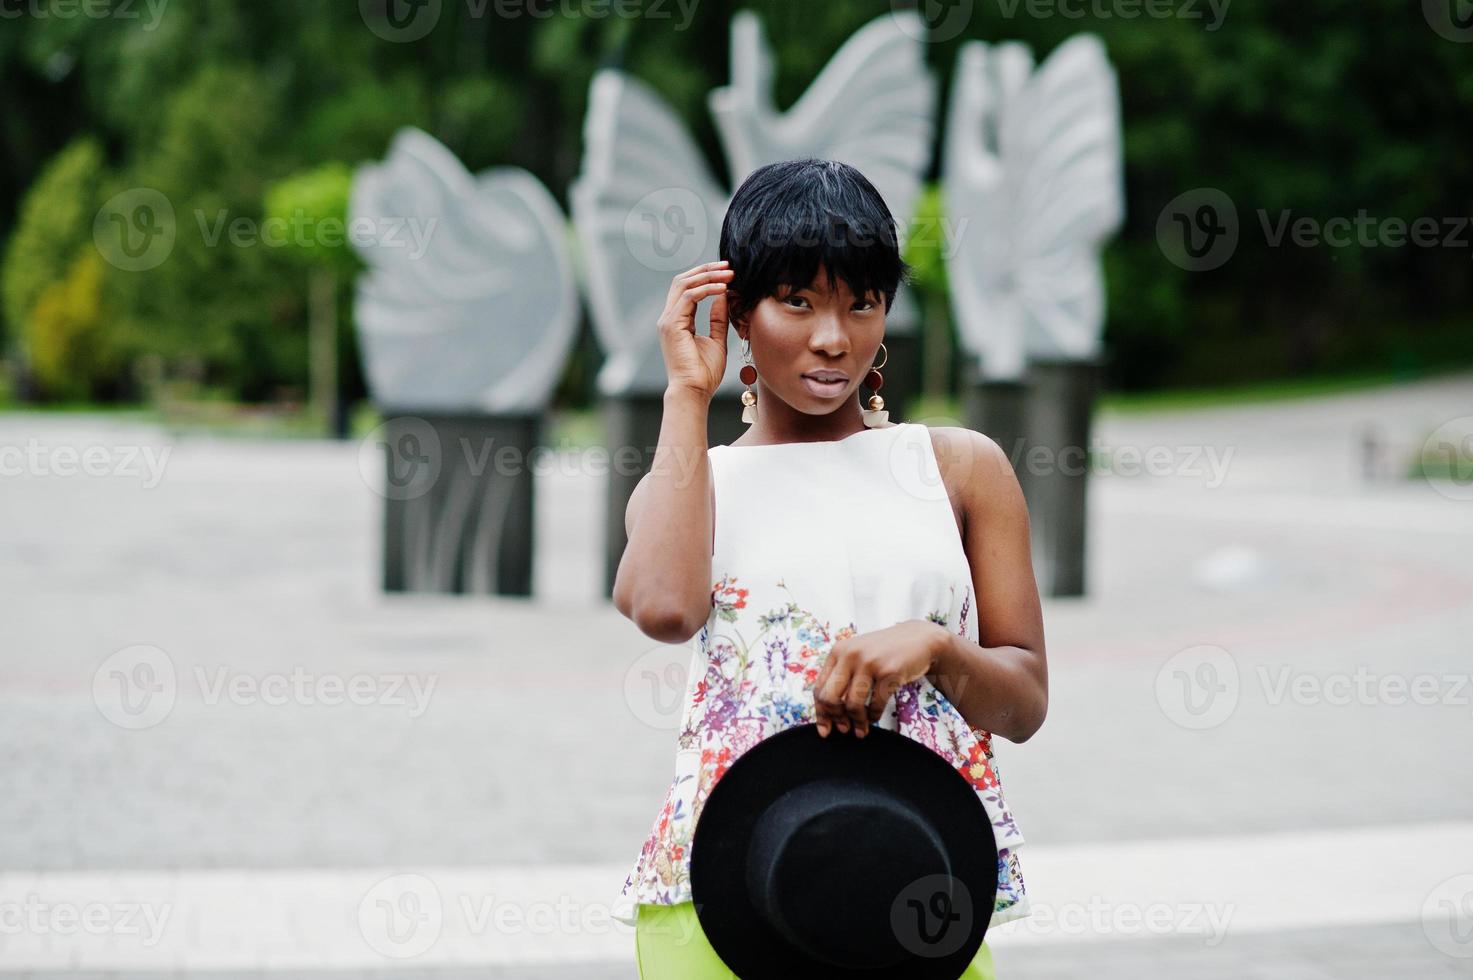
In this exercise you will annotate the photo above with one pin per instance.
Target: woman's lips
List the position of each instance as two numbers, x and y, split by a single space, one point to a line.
825 389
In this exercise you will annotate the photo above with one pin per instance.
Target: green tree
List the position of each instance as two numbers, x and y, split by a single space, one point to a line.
55 223
314 204
223 297
925 253
74 353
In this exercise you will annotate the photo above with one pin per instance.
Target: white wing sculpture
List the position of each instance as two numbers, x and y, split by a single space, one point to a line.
469 303
646 205
1033 178
873 107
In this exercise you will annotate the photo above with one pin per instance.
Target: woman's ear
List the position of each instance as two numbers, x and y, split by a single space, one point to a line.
739 323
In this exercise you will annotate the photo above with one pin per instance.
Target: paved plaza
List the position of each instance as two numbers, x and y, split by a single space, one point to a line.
226 753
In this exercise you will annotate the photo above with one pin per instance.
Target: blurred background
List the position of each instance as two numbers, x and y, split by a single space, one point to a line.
230 107
1259 709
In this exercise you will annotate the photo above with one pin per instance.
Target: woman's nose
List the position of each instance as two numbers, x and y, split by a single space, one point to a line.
828 335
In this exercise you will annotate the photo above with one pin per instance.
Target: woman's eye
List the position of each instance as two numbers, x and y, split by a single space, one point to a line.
795 299
864 305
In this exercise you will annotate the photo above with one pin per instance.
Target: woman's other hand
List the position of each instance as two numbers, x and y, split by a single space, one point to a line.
862 673
692 361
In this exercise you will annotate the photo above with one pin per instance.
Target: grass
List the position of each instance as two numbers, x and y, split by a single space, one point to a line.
936 409
211 418
1456 471
1262 391
575 429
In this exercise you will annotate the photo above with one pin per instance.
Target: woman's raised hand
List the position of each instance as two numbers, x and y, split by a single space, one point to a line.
692 361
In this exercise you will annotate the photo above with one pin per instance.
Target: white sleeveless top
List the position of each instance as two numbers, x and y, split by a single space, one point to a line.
816 541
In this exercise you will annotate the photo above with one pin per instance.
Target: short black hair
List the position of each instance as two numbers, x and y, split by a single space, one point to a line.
790 217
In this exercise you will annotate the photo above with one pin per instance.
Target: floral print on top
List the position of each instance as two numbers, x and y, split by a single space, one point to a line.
757 664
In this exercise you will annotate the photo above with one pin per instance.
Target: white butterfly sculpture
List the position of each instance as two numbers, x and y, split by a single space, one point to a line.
469 302
1032 174
646 205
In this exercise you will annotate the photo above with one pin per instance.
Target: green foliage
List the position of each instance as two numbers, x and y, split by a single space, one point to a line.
313 208
357 122
224 296
55 221
75 353
479 117
926 241
239 111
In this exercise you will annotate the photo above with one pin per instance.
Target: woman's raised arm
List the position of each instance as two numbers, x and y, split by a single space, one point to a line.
663 583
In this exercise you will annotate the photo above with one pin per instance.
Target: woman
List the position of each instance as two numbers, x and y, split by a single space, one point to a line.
833 567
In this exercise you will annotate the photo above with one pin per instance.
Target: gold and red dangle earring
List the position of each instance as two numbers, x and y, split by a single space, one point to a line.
749 378
876 415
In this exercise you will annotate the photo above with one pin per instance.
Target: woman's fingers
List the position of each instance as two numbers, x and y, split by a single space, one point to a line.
828 694
691 277
688 356
682 308
719 321
855 701
681 315
682 279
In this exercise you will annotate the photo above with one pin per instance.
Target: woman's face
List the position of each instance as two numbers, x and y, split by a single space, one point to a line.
811 330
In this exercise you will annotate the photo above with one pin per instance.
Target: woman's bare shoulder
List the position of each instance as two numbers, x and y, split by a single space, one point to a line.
958 446
974 468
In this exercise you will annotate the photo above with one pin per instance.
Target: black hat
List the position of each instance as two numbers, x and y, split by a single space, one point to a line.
843 857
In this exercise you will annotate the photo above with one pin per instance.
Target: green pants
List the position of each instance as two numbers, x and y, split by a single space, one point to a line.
670 945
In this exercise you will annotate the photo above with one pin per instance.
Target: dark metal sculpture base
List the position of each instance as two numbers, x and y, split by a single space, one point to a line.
1053 470
995 409
458 506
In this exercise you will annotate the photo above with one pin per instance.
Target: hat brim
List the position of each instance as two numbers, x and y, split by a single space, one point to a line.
885 759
